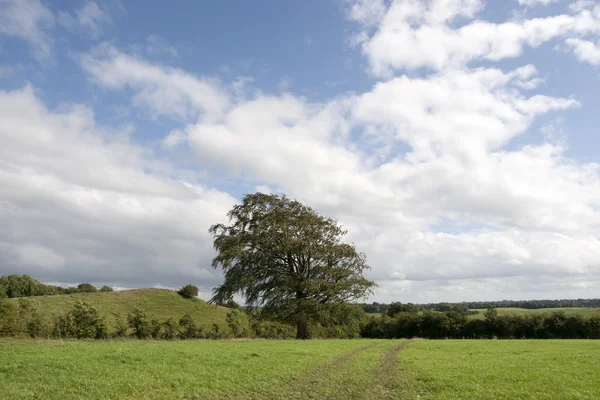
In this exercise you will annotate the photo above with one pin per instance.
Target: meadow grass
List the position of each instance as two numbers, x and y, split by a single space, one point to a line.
157 303
160 370
500 369
289 369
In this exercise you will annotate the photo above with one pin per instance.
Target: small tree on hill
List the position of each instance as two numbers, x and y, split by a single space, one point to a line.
188 292
106 289
86 288
283 256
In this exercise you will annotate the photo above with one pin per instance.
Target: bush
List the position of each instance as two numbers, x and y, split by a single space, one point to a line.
138 322
188 292
9 318
237 322
82 322
105 289
170 329
121 327
86 288
188 327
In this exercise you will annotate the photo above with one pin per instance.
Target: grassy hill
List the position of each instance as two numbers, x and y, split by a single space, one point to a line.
159 303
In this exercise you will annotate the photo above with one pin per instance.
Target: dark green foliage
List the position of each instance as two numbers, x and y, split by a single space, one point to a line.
454 325
188 327
188 292
106 289
121 326
396 308
139 324
156 328
82 322
170 329
9 318
283 256
491 314
86 288
237 322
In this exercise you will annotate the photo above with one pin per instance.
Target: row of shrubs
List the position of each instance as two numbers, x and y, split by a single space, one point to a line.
84 321
454 325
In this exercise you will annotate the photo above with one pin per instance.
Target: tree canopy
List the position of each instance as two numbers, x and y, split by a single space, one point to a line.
285 258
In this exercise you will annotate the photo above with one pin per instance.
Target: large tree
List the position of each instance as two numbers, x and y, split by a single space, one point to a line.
284 257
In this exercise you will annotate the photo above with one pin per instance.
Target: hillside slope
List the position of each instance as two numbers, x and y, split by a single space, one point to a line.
159 303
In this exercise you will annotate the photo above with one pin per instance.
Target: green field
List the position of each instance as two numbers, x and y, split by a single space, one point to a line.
583 311
317 369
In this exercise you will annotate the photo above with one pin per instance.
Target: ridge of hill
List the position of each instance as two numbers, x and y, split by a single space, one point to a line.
156 303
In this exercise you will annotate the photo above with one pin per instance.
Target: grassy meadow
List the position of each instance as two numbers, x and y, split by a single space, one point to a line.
316 369
157 303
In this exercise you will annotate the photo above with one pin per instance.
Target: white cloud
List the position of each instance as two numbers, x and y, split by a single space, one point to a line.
532 3
166 91
415 34
585 51
157 46
28 20
90 18
80 203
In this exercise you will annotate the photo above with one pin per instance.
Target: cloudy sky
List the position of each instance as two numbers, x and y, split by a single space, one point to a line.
456 140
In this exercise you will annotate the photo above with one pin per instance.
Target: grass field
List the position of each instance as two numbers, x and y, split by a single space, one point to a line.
584 312
160 303
317 369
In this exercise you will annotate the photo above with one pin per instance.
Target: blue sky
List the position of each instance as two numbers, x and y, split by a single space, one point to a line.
455 139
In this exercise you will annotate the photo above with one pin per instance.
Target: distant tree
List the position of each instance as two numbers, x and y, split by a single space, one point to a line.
491 313
138 322
106 289
281 255
86 288
188 292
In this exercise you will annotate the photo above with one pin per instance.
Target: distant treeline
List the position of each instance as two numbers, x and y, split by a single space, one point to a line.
455 325
527 304
14 286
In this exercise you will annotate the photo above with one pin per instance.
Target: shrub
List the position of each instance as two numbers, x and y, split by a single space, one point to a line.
188 327
9 318
237 322
138 322
82 322
106 289
121 327
170 329
156 328
86 288
188 292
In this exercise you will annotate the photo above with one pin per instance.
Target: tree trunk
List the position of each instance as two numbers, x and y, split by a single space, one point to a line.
302 331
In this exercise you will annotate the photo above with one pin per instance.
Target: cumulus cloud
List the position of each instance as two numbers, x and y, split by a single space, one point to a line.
423 168
441 34
28 20
585 50
81 203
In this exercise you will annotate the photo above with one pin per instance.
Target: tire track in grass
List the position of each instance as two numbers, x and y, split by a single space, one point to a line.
303 386
385 376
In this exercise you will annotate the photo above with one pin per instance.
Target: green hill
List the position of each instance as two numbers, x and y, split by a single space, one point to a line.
159 303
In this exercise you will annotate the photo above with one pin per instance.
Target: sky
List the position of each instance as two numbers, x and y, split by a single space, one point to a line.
455 140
